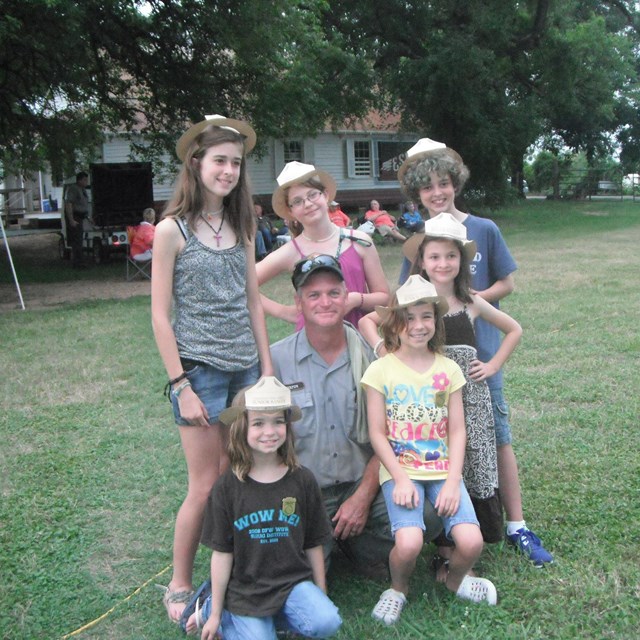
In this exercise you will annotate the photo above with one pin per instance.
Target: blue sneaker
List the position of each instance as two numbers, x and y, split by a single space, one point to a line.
529 544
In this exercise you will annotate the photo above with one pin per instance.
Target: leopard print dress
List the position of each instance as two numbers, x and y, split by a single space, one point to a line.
480 470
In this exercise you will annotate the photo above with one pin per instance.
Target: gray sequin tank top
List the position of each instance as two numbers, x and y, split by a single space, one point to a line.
211 316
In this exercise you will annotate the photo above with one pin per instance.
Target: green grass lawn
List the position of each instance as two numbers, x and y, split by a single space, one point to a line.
93 472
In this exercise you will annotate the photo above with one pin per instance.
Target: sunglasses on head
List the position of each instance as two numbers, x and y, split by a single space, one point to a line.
309 264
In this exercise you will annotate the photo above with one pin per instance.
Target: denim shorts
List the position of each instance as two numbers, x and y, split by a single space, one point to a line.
402 517
500 417
215 388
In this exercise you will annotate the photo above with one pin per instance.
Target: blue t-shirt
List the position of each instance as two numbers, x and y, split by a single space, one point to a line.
412 217
493 261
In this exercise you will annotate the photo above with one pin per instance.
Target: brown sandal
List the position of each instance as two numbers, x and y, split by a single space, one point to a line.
175 597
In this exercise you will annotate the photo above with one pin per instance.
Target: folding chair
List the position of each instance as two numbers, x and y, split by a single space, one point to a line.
136 267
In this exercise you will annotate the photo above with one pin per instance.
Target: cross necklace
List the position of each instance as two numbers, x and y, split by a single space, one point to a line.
216 232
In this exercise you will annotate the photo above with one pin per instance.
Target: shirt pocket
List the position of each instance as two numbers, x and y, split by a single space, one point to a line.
306 426
351 415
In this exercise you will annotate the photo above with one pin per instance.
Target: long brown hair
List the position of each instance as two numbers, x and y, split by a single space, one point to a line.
462 282
188 200
240 454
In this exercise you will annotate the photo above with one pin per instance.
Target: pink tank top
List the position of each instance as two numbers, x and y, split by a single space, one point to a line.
353 272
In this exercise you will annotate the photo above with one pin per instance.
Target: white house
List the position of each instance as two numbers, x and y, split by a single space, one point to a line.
363 160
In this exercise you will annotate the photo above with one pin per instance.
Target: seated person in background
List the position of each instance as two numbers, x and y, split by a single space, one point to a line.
142 241
263 227
261 249
384 222
337 215
281 235
411 219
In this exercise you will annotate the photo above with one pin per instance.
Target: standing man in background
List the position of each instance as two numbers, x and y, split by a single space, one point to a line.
76 209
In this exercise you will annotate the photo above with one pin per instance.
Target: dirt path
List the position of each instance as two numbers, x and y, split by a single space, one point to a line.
41 252
42 296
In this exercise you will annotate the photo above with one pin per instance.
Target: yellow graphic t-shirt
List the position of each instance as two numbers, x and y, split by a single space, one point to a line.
417 413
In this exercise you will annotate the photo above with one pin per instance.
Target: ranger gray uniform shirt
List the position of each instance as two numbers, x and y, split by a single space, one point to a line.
77 196
326 434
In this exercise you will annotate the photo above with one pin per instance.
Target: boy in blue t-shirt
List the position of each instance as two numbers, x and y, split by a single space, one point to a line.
435 174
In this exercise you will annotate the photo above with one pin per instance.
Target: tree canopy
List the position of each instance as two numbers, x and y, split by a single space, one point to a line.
70 71
488 77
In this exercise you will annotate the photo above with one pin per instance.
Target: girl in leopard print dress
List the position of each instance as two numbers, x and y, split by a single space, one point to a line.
443 256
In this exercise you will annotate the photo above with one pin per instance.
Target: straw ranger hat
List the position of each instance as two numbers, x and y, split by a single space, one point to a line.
423 148
298 173
415 289
444 225
239 126
268 394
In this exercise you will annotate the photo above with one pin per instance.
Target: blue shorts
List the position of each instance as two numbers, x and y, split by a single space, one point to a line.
500 417
215 388
402 517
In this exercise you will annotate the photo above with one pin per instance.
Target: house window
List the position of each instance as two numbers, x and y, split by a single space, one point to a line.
293 150
362 158
359 158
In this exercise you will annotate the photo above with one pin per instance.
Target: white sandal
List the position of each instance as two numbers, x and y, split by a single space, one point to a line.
389 607
477 590
198 619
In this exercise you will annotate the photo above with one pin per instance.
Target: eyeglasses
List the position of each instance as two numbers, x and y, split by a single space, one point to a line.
312 196
303 268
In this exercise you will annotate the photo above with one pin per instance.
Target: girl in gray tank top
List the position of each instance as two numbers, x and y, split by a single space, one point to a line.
206 312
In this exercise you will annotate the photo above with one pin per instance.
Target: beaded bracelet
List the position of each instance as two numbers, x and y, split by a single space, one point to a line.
178 390
167 387
362 300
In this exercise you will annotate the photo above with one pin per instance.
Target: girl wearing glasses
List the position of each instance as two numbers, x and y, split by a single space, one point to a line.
207 318
303 196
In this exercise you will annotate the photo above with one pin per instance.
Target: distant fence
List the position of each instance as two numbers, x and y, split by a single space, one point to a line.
589 183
